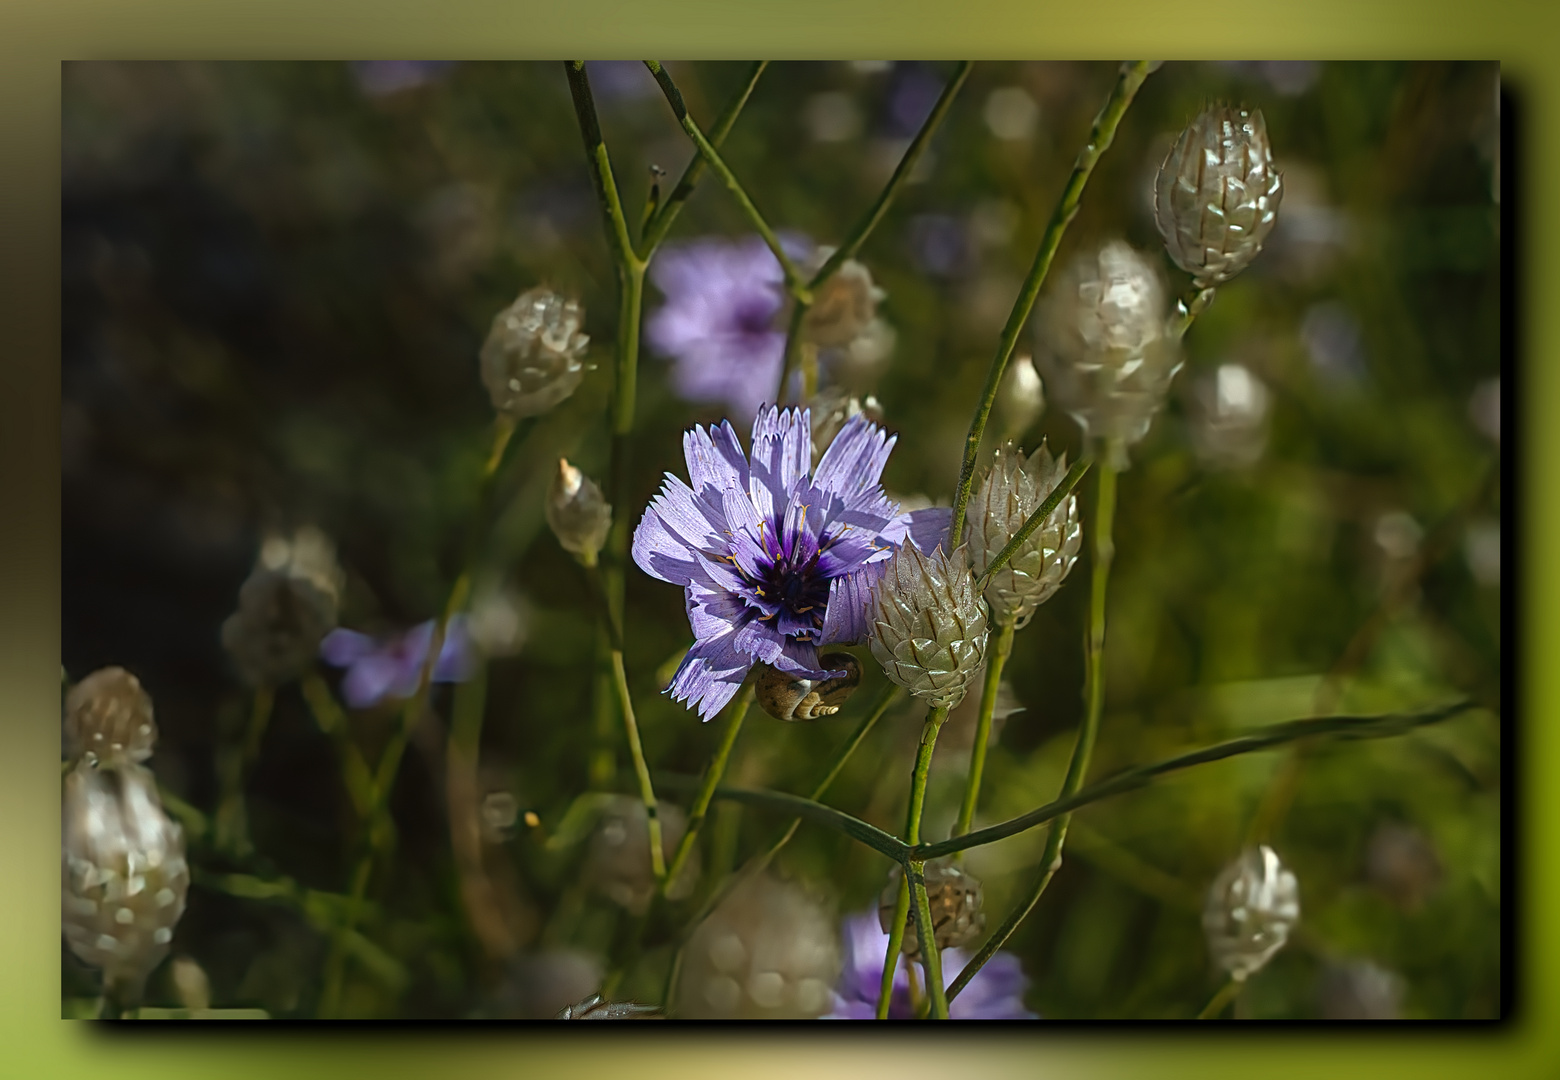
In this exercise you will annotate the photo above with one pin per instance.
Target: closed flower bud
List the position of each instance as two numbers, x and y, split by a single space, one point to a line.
287 605
108 719
1103 352
618 862
843 306
928 626
829 411
533 356
1013 489
123 878
1252 906
578 515
1217 194
954 899
767 952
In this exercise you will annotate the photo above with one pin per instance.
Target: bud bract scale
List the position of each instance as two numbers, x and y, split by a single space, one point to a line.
576 511
927 625
954 899
108 719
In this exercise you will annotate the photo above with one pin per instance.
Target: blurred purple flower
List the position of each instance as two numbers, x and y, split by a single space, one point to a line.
620 80
940 245
719 323
379 78
777 557
389 670
911 97
995 993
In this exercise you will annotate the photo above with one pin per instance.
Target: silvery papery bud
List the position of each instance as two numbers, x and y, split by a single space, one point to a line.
286 606
576 511
1013 489
830 409
1217 194
1102 348
618 862
533 356
123 878
954 900
1252 906
1230 409
928 626
768 952
108 719
844 306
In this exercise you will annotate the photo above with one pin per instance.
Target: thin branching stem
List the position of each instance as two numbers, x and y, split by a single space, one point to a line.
988 704
713 772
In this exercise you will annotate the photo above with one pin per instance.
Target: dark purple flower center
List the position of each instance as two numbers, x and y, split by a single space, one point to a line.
753 315
793 581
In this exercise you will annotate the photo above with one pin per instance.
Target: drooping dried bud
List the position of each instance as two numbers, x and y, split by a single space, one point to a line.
576 511
287 605
533 356
767 952
787 697
597 1007
1013 489
928 626
108 719
618 862
123 878
954 898
830 409
1251 907
1217 194
1102 347
843 306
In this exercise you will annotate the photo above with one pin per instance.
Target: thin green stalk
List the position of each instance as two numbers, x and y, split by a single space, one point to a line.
355 775
896 942
931 955
713 772
661 222
913 814
601 166
603 757
1033 522
1104 131
1217 1003
988 703
1083 750
795 345
1186 311
795 283
232 813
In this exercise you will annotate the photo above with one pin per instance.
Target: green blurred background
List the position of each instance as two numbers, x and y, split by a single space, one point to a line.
275 281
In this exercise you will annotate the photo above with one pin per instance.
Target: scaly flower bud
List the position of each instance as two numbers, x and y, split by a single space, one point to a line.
1102 347
618 862
767 952
578 515
843 306
531 359
108 719
1251 907
123 879
928 627
1217 194
1013 489
287 605
954 898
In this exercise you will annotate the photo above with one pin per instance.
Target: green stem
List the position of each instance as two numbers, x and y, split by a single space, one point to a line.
931 955
713 772
601 166
1186 311
896 941
796 285
913 814
232 813
1033 522
355 775
1104 131
794 347
657 229
988 704
1217 1003
603 756
1094 698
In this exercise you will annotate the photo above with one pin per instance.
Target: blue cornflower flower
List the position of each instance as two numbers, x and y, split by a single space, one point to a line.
379 671
777 556
995 993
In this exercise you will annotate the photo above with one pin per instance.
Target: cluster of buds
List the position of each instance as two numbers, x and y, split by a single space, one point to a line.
123 878
1013 489
1252 906
618 862
1217 194
285 608
927 624
533 357
1104 350
767 952
577 513
954 899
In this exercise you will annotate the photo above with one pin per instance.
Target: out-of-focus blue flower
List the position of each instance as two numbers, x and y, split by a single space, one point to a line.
620 80
777 557
720 321
911 97
995 993
389 670
940 245
378 78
